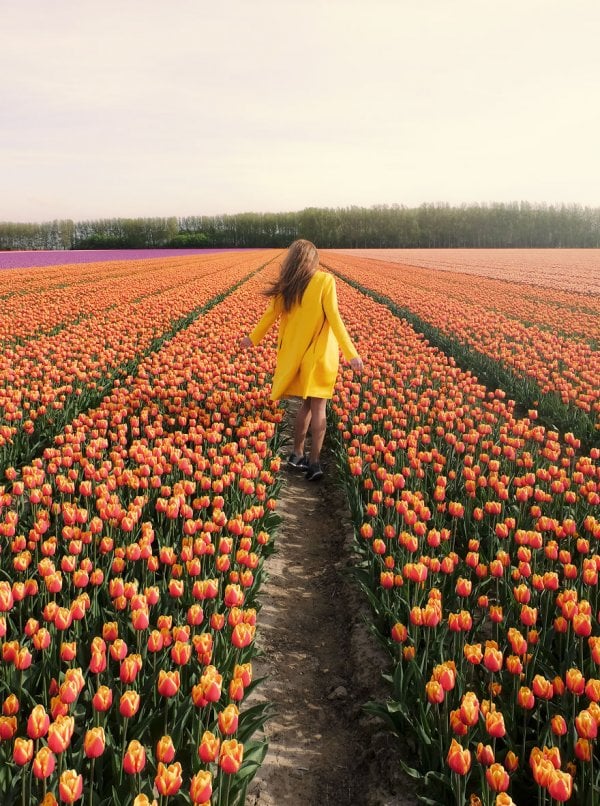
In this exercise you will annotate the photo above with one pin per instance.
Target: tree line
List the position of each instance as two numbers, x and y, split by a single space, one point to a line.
496 225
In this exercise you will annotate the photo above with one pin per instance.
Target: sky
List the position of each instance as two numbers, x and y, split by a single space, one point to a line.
139 108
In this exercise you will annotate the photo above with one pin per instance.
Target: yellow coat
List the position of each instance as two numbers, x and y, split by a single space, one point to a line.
310 335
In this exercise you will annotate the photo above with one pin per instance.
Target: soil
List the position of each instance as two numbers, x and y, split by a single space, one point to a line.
322 665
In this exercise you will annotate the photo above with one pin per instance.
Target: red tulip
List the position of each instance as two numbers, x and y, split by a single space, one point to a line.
94 742
165 750
129 703
168 683
22 751
209 747
497 778
102 699
459 759
60 733
134 760
44 763
231 756
38 723
201 787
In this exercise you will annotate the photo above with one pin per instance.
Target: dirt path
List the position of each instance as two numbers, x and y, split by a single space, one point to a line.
322 665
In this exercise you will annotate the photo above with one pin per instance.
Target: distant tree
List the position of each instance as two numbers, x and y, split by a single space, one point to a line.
516 224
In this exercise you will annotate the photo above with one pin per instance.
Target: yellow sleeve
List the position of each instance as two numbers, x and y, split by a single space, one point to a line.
266 321
330 306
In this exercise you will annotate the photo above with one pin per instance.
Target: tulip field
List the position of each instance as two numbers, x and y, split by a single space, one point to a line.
140 467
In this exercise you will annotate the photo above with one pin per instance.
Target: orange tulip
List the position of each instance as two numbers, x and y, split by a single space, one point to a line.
458 759
130 667
134 760
60 733
484 754
129 703
168 683
558 725
44 763
511 762
526 698
165 750
542 688
560 786
583 749
469 709
38 723
168 779
10 706
102 699
201 787
70 786
586 725
473 653
494 724
492 659
209 747
497 778
94 742
22 751
228 720
231 756
575 681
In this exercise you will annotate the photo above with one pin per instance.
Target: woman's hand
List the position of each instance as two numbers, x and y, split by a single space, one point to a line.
246 343
357 364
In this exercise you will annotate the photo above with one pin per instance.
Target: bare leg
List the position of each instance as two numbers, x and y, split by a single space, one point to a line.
318 424
301 427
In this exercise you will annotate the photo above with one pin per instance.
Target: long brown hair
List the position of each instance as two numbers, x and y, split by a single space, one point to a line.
297 268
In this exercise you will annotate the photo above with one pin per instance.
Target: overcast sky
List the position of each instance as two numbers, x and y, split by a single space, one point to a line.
188 107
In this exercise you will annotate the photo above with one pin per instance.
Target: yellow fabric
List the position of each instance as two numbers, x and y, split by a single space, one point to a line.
310 335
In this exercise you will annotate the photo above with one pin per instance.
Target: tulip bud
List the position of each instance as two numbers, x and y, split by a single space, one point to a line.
94 742
459 759
134 759
209 747
497 778
165 750
228 720
168 779
231 756
168 683
60 733
201 787
70 786
102 699
38 723
22 751
129 703
44 763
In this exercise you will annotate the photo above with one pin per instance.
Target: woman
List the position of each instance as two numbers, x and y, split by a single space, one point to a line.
311 332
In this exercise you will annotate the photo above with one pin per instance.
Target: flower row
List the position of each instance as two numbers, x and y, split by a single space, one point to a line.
132 553
539 338
48 379
478 531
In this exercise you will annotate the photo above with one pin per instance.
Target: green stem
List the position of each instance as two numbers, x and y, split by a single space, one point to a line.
91 800
123 740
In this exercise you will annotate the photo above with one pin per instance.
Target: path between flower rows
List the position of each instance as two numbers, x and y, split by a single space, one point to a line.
321 664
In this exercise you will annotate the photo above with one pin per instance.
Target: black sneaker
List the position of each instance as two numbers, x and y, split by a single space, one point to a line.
314 472
297 462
